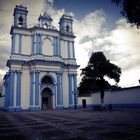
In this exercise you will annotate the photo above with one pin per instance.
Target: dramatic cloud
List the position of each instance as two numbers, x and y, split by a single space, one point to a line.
120 45
86 30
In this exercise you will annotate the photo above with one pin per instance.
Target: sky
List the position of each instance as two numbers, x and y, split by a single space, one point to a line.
97 24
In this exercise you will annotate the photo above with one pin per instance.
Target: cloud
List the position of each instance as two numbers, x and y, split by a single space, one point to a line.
86 30
90 26
121 46
4 50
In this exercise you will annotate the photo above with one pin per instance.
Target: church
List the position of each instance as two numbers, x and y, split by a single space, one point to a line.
42 65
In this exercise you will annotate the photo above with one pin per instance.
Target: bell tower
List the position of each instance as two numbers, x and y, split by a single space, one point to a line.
45 21
65 24
20 16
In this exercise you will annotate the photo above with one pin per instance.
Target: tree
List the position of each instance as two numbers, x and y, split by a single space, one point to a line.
130 10
95 73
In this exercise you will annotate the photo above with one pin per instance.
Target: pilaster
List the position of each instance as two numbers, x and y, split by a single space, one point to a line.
20 43
18 91
37 91
31 108
11 92
70 89
13 43
59 89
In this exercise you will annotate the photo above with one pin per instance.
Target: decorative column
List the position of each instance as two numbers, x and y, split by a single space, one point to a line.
59 90
20 43
31 91
59 46
8 90
37 44
70 90
75 91
13 43
33 43
18 94
37 108
6 93
11 92
53 45
73 50
40 44
69 50
57 51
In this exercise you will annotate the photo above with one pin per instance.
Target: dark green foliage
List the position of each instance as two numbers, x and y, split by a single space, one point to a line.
94 74
130 10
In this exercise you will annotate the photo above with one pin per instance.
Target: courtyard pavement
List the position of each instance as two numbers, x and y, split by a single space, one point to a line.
70 125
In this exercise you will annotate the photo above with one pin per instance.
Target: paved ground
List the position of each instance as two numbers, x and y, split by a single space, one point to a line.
71 125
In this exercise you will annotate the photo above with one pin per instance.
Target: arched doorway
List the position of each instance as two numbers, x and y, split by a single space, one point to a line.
47 93
46 98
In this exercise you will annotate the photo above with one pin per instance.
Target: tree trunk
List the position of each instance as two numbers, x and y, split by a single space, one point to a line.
102 99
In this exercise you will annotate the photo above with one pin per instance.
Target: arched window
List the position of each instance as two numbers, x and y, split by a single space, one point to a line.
47 80
67 28
46 26
46 91
20 20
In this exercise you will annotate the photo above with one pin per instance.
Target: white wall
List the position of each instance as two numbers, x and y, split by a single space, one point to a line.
25 88
16 43
88 100
47 46
26 45
128 96
64 49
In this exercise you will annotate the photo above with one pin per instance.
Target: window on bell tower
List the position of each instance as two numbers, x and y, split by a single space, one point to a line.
20 21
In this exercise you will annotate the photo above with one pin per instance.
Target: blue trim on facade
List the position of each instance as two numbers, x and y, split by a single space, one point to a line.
31 88
11 92
118 106
87 106
10 109
5 95
18 109
37 108
31 109
38 61
73 50
54 50
56 45
68 50
125 105
20 43
40 44
71 107
13 43
59 48
37 44
75 91
8 91
55 89
18 95
59 89
33 44
36 88
70 90
59 108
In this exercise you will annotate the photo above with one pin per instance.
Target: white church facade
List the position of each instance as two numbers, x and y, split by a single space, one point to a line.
42 66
